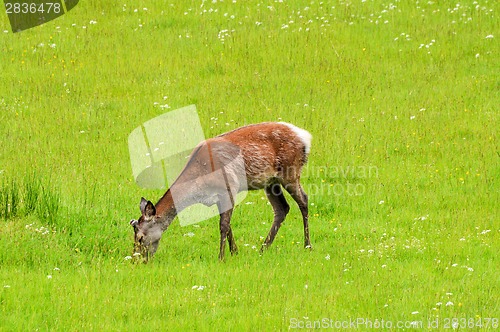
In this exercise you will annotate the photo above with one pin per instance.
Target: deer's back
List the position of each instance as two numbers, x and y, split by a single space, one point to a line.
269 150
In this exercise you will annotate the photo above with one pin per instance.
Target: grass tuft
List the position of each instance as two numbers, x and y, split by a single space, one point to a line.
48 206
32 193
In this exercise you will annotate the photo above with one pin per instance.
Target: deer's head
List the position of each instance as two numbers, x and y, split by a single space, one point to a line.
147 231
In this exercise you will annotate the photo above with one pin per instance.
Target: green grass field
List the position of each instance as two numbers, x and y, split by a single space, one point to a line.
403 179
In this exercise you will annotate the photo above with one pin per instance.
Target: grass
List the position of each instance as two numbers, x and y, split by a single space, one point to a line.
402 101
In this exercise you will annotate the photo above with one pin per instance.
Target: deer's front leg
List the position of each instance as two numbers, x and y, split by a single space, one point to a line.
225 232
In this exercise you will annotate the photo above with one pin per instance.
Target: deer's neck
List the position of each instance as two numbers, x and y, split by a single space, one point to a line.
165 210
177 198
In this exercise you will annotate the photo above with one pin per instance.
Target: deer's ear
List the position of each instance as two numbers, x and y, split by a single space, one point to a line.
148 209
144 202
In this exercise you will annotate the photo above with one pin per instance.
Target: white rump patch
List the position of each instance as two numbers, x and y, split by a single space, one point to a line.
303 135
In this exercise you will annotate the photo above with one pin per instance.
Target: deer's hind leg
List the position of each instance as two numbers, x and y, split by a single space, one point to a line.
280 206
300 197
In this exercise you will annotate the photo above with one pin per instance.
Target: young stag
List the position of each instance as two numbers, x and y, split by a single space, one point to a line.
267 156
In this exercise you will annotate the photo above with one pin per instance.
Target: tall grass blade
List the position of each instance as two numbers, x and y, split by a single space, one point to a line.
32 189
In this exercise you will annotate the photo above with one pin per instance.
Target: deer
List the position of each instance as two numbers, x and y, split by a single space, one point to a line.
268 156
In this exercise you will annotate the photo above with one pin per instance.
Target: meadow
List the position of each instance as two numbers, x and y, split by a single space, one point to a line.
402 99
